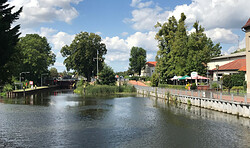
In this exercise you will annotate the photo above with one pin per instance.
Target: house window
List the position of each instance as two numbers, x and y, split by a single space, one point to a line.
152 70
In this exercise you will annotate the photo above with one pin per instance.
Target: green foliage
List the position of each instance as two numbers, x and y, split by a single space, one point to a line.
214 85
7 88
237 88
8 37
179 53
155 80
81 52
172 86
35 57
193 86
137 59
105 89
127 88
53 72
107 76
234 80
145 78
134 78
241 50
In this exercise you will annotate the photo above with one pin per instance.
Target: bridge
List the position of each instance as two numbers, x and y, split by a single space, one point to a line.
67 83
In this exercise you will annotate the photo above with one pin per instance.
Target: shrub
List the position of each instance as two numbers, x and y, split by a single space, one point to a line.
172 86
237 88
104 89
193 86
154 80
214 85
7 88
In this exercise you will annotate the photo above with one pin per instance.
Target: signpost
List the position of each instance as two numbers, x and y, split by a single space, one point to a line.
194 75
31 84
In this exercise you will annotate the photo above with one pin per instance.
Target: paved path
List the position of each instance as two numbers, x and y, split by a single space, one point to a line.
195 93
133 82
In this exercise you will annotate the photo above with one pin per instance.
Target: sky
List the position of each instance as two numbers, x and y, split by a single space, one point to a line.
123 24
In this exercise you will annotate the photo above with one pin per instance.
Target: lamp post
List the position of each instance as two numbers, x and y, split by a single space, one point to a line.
97 59
21 77
217 68
42 78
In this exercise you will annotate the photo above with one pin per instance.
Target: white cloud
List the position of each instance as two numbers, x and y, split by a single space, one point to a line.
144 40
124 33
150 57
119 49
59 64
139 4
61 39
210 13
222 35
36 12
98 33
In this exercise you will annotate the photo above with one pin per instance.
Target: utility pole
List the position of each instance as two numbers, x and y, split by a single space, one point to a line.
97 59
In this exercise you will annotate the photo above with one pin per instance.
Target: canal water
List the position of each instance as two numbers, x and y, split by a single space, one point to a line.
64 119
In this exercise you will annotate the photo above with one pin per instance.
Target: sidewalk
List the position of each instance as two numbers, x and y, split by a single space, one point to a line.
193 93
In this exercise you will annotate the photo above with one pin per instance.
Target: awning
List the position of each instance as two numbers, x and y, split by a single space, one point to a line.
184 77
175 78
199 77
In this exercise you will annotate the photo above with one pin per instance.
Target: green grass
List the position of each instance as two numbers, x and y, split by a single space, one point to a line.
104 89
172 86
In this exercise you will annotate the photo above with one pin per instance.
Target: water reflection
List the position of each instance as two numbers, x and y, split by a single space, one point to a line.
64 119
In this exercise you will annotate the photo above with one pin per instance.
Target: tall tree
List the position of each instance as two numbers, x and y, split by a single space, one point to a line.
35 56
137 59
81 53
8 34
180 53
166 38
200 50
179 49
53 72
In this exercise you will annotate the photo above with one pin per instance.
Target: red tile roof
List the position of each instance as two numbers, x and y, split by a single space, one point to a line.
151 64
243 68
234 65
247 24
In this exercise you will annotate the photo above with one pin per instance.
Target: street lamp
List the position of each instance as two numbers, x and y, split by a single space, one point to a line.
217 68
21 75
42 78
97 59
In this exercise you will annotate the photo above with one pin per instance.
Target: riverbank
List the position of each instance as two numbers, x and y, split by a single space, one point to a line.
21 92
200 99
104 89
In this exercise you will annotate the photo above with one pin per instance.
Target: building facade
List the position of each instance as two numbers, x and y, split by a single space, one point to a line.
149 69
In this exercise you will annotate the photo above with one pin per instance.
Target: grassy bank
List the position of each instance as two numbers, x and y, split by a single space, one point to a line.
104 89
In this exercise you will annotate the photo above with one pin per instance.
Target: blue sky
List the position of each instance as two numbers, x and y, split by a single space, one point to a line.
126 23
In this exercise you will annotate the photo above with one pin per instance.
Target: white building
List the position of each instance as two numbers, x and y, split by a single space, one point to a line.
149 69
228 64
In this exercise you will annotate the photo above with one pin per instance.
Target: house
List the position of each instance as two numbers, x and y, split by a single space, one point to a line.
229 69
246 29
149 69
222 60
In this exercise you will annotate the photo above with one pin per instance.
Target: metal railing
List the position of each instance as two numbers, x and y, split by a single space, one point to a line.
242 98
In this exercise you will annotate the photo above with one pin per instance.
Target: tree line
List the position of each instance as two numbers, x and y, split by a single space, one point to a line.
180 52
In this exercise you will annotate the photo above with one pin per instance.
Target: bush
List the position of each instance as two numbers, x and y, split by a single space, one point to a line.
104 89
214 85
134 78
237 88
193 86
172 86
7 88
154 80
